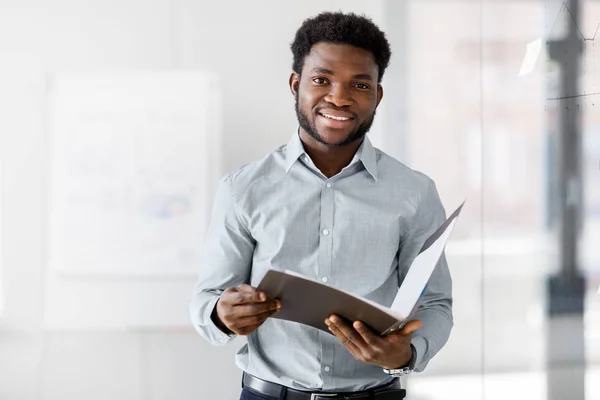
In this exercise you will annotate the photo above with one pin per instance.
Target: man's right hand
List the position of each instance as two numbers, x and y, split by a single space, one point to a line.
242 309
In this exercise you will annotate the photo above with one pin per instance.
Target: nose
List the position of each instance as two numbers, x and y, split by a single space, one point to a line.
339 96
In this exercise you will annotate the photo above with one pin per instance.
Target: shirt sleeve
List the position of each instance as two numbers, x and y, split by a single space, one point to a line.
435 308
227 262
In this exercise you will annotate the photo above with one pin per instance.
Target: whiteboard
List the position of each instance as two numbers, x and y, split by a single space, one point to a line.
133 166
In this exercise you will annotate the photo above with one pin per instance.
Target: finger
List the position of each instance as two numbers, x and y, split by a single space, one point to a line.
411 326
251 320
352 348
247 294
367 334
348 331
246 310
244 287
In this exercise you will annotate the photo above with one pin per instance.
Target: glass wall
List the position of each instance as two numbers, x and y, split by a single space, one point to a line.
493 116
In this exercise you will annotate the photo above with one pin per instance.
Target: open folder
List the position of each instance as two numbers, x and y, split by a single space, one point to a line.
310 302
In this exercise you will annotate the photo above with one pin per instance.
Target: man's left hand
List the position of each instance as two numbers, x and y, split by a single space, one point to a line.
390 352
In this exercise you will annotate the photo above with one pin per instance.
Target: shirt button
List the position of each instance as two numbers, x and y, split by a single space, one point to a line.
328 185
325 232
327 369
324 279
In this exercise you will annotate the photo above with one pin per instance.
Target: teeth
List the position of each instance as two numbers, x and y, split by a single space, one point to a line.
336 118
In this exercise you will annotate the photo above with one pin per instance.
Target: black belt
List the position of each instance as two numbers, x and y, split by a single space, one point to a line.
390 391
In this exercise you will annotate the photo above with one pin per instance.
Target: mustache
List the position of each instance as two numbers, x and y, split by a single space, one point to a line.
319 109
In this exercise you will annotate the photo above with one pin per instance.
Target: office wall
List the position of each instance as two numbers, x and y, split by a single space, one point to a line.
247 45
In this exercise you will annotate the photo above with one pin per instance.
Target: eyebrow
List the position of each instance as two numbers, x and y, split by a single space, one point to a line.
330 72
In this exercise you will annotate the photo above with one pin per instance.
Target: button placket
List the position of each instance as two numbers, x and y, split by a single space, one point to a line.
326 235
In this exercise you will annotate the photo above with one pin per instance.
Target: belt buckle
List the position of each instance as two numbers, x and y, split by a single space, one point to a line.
313 396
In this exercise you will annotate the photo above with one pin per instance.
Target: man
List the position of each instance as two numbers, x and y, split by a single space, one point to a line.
329 206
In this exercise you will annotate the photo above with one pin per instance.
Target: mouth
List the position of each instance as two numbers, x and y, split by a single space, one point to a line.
336 119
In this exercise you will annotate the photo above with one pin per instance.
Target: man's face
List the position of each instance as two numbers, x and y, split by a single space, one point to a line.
337 93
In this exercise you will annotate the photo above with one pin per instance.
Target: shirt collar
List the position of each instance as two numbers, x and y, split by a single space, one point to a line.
293 151
365 153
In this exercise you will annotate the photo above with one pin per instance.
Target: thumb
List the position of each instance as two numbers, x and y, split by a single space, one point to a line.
411 327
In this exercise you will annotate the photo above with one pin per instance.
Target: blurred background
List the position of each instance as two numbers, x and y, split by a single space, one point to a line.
118 117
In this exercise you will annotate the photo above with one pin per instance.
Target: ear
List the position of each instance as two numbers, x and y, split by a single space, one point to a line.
379 94
294 83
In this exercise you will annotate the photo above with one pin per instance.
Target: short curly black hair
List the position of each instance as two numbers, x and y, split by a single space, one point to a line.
340 28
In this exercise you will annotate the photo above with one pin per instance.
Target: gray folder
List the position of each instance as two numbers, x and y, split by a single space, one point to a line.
309 302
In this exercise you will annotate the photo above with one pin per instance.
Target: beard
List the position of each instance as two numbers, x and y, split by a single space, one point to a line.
310 128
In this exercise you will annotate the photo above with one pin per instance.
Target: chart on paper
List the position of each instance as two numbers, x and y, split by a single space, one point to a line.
131 167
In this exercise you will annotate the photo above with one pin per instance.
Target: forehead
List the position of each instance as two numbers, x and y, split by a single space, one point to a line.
341 58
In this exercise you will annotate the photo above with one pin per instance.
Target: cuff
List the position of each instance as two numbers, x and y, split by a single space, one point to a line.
420 346
219 335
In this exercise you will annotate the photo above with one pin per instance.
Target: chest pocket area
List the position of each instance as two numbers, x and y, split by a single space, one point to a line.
365 248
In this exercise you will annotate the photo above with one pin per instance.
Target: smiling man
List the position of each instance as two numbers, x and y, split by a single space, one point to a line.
334 208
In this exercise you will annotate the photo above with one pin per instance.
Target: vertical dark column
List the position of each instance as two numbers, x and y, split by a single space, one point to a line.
566 289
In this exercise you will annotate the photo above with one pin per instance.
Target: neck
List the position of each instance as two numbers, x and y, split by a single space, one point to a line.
329 160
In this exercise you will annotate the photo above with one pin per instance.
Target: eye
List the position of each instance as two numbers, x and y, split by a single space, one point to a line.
319 81
362 86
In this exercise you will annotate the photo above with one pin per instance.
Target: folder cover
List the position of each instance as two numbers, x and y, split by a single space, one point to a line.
307 301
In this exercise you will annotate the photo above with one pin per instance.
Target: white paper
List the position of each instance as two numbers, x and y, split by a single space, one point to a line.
418 274
532 54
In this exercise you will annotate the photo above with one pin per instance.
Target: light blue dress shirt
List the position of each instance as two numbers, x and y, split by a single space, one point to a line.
358 231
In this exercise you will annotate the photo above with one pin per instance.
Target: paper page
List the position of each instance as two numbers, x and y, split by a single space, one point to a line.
532 54
418 274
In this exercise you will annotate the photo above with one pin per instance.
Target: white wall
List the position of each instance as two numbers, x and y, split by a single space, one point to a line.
247 44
